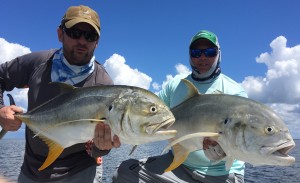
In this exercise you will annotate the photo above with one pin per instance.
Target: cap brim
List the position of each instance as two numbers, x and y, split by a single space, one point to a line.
75 21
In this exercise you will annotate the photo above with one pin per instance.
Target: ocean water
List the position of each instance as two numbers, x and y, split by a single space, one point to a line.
12 150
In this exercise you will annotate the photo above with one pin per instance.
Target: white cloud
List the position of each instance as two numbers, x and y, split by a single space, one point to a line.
280 87
281 82
19 96
122 74
290 114
180 69
9 51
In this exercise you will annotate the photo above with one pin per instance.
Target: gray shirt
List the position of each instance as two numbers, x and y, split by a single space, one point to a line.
33 71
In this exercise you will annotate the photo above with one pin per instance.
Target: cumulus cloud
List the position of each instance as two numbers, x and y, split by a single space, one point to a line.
180 69
290 114
281 82
9 51
123 74
280 86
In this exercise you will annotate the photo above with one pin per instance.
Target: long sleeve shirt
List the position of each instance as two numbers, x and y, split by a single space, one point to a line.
33 71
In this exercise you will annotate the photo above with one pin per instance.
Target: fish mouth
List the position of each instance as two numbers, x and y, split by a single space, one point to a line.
281 152
156 128
283 149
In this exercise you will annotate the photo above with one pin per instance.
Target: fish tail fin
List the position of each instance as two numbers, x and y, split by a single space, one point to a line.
17 115
2 133
133 149
55 150
180 155
11 99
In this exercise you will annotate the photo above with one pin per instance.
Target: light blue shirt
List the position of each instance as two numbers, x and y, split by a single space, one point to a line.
175 92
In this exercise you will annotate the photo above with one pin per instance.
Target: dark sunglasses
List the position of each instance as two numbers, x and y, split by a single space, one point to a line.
73 33
208 52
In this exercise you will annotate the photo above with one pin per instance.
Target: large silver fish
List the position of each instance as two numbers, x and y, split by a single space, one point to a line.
245 129
134 114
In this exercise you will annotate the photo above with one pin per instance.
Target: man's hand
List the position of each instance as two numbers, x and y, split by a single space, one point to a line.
103 139
213 150
7 119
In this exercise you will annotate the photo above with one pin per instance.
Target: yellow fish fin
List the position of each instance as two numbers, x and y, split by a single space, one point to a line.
180 155
55 150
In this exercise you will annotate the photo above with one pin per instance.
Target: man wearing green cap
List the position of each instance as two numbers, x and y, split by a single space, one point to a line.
75 64
205 58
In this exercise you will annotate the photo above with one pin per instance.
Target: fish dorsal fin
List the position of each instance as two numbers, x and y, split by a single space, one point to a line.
64 87
55 150
180 155
192 90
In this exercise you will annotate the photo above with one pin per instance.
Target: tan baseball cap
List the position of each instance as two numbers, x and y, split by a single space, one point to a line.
77 14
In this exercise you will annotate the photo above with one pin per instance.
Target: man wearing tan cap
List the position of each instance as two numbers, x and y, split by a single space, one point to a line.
74 63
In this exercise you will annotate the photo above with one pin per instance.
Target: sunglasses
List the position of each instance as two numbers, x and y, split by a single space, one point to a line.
73 33
208 52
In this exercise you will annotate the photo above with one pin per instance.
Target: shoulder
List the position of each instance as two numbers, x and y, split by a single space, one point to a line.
100 68
174 88
101 75
177 79
37 58
45 54
232 87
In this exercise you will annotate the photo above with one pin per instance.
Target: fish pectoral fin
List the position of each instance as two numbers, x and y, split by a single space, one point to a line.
189 136
180 155
2 133
133 149
54 151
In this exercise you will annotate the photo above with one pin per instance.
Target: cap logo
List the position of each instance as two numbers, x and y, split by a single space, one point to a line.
203 33
85 13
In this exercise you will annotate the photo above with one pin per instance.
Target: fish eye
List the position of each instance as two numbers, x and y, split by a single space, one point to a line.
269 130
153 109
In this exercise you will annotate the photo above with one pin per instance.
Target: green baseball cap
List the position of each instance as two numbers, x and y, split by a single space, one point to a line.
204 34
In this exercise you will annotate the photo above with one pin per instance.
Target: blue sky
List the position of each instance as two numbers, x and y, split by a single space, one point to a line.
145 43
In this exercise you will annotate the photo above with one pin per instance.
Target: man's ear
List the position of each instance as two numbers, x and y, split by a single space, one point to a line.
60 34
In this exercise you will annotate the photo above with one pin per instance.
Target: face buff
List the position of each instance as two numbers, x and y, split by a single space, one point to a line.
63 72
213 72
